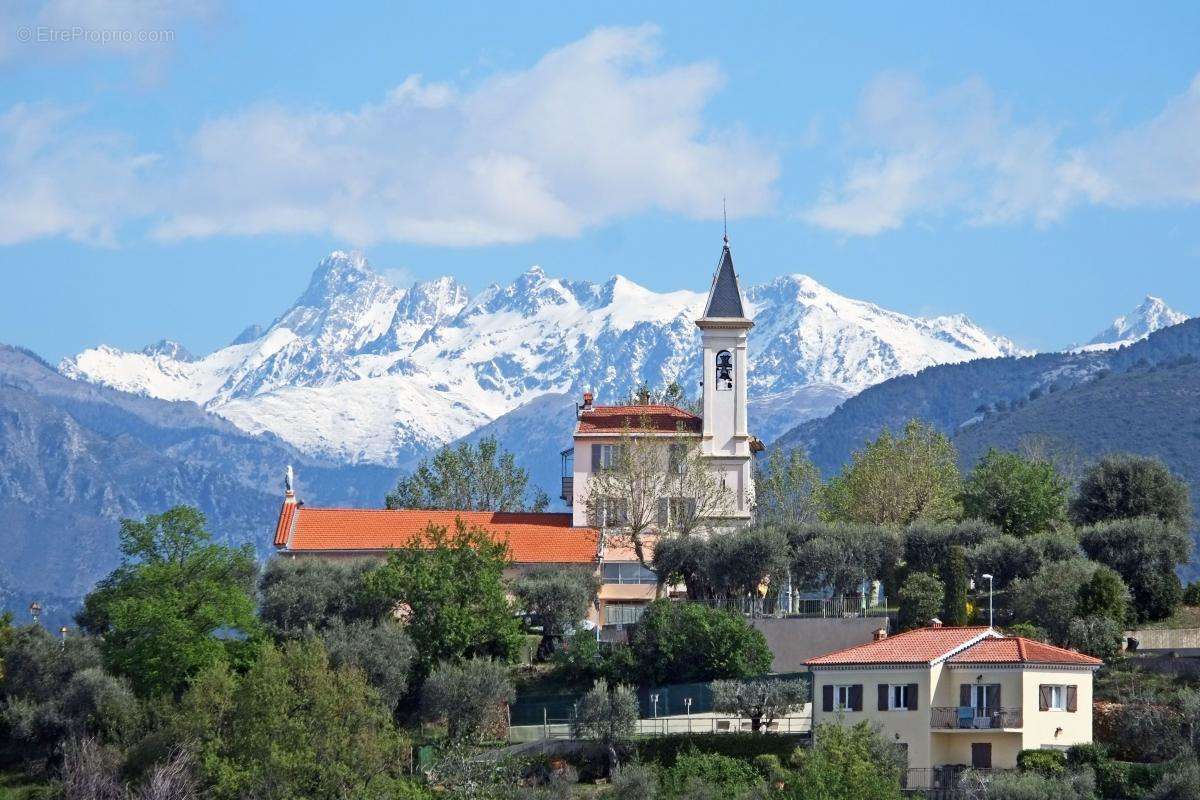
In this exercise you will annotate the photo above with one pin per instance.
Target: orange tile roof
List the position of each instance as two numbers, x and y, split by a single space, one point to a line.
927 645
1017 649
614 419
919 646
532 538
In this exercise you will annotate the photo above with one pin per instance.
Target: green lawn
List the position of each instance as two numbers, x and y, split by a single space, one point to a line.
16 786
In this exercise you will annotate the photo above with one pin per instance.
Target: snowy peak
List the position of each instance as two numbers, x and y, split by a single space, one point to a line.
168 349
1151 315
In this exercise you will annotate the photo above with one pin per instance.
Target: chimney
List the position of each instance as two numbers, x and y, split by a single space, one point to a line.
587 401
880 634
935 623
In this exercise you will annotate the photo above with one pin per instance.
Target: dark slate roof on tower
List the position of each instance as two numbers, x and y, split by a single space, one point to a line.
725 298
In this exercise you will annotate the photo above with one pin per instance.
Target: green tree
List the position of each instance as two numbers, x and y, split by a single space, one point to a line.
927 545
449 587
1126 486
747 562
1104 594
469 477
177 603
1049 598
558 597
1018 495
896 481
848 763
956 583
682 642
787 489
290 726
471 696
1144 552
300 596
761 701
921 598
382 651
1096 635
606 715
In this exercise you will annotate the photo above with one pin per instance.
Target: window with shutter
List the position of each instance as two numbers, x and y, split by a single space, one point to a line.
911 696
827 698
884 692
1072 698
856 697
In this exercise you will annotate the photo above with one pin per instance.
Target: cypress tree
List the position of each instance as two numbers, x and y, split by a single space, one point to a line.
954 576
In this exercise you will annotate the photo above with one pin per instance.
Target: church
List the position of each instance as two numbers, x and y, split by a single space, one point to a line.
633 473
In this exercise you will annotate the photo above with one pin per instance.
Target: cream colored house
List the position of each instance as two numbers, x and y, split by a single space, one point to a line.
959 696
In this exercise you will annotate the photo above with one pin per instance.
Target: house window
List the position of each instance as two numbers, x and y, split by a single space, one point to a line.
626 572
841 698
612 512
680 511
610 456
898 697
623 613
1057 698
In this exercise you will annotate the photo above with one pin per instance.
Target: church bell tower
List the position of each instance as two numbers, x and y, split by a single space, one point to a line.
723 331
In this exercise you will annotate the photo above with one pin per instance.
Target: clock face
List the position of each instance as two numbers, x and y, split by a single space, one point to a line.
724 370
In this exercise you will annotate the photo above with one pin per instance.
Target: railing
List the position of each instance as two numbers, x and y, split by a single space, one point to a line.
941 783
848 607
568 489
963 718
560 727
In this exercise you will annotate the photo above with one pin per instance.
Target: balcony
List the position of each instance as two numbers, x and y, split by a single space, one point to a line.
954 718
568 472
568 489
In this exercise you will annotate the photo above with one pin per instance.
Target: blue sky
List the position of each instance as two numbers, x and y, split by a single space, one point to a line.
1033 166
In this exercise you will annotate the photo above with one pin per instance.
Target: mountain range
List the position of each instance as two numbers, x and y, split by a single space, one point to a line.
360 371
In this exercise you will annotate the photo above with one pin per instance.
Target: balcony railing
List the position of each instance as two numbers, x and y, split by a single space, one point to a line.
965 718
568 489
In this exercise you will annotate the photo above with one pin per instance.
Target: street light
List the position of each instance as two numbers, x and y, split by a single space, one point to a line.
989 580
63 633
687 702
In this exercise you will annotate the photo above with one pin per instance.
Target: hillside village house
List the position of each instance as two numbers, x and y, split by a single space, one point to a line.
959 696
590 536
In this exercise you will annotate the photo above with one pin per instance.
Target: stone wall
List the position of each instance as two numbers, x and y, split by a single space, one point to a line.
795 640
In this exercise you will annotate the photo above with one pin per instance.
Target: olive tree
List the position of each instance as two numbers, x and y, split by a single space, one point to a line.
1124 486
606 715
557 597
762 701
467 696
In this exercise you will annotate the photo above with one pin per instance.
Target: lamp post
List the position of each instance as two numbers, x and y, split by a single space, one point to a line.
687 702
35 611
63 633
654 702
988 575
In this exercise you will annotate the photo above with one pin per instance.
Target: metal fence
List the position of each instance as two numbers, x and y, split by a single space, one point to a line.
842 607
560 727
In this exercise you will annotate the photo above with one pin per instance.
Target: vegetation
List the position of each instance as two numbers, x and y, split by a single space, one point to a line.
921 599
472 698
955 581
1126 487
606 716
690 642
787 489
177 604
761 701
558 598
469 477
849 763
1019 496
1144 551
842 556
896 481
450 587
735 565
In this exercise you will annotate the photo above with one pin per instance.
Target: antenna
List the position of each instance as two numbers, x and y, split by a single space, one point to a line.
724 220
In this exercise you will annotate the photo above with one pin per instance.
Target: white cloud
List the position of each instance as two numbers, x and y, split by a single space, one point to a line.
959 151
592 131
57 179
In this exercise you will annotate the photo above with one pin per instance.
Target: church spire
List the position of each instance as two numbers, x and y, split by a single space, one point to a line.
725 296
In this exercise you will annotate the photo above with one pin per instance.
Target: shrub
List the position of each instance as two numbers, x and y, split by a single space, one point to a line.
955 581
1097 636
299 596
469 696
693 772
681 642
1044 762
921 599
606 716
664 750
1180 783
848 762
1050 598
1026 786
634 781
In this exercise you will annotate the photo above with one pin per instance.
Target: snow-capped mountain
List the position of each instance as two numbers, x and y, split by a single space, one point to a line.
359 370
1151 315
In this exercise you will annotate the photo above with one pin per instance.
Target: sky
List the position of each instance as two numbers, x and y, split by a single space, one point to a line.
177 168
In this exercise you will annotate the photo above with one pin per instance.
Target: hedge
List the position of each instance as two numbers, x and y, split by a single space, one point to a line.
746 746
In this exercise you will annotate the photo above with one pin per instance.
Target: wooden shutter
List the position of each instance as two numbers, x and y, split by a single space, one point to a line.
993 696
856 692
964 695
912 696
595 458
1043 698
883 696
827 698
1072 698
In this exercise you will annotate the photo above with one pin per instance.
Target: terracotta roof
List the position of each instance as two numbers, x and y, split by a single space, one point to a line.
1016 649
284 526
614 419
532 538
927 645
919 646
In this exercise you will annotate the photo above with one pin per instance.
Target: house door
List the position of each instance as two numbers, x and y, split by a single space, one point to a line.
981 755
985 699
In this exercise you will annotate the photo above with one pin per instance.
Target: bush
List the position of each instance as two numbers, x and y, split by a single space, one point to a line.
1026 786
682 642
1050 598
849 762
1044 762
695 772
955 581
921 599
1097 636
469 696
664 750
1180 783
635 781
